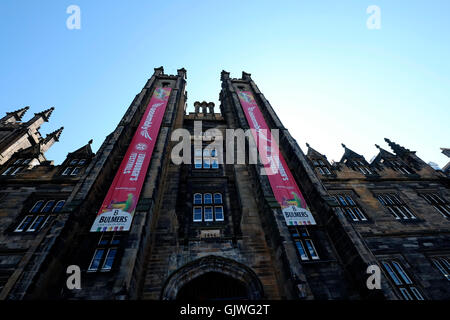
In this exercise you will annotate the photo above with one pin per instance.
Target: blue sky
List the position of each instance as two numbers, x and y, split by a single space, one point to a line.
329 77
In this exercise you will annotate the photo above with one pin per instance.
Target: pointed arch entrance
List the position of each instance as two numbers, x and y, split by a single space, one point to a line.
213 278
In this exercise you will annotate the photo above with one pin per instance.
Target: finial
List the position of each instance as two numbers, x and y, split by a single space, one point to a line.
159 70
343 145
90 141
54 134
377 146
19 113
46 113
182 73
246 76
307 144
224 75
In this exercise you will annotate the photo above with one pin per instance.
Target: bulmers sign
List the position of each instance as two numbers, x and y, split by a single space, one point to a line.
284 187
117 210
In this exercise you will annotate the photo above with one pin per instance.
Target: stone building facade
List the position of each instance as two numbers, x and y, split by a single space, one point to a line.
209 230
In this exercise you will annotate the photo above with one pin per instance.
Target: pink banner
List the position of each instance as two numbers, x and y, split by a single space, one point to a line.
117 210
284 187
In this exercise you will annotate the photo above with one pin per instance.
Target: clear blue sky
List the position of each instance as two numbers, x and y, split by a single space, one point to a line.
328 76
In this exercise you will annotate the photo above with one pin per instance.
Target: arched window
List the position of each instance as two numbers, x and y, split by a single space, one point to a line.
48 206
350 200
208 198
217 198
198 198
37 206
342 201
59 206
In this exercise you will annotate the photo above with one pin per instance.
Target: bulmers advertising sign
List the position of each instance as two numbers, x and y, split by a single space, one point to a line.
117 210
284 187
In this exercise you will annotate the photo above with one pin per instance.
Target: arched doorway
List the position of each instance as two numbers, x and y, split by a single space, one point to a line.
213 286
213 278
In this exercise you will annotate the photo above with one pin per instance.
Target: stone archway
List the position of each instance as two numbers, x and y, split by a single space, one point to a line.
213 266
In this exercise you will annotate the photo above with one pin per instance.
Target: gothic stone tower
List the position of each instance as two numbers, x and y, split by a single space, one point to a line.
201 229
33 192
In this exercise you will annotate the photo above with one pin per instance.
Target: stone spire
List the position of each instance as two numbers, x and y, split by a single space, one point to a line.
45 114
398 149
50 139
182 73
15 115
55 134
224 75
39 118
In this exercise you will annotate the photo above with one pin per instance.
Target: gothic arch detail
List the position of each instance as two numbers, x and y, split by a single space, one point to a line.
207 264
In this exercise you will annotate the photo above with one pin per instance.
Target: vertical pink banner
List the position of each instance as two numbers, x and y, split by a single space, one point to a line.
117 210
284 187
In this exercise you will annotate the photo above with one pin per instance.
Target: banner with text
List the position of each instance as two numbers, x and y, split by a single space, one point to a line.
284 187
117 210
